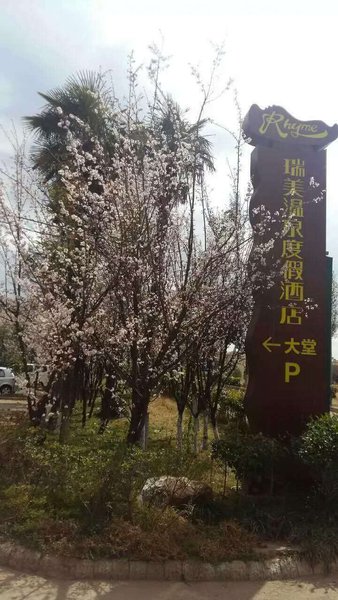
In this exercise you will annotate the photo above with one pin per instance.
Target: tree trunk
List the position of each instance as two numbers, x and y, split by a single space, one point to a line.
205 430
179 431
92 406
64 426
145 433
138 416
196 431
84 410
216 432
109 402
214 426
225 479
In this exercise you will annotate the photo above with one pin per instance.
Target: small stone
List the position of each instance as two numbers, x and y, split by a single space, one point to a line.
223 571
174 491
103 569
304 568
155 570
288 567
194 570
31 560
6 548
257 570
138 569
114 569
84 568
17 557
232 571
120 569
273 567
52 566
173 570
239 570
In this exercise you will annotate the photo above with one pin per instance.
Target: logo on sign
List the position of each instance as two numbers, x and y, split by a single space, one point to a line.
284 127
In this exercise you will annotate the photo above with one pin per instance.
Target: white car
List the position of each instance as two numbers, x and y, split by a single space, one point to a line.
7 381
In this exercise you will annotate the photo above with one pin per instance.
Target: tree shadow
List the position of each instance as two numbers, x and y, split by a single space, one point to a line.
322 583
20 586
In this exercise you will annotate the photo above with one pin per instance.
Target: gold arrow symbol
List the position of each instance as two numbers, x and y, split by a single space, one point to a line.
267 344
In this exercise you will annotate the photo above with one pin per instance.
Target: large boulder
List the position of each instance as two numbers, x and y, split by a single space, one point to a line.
174 491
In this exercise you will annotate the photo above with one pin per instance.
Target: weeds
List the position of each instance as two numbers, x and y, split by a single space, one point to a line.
82 498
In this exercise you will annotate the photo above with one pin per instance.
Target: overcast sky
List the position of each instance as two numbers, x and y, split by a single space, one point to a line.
277 53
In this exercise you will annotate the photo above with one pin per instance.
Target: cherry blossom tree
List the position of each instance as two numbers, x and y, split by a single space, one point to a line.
19 217
124 257
122 283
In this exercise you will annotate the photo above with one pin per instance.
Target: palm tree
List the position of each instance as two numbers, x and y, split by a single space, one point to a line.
88 97
85 96
169 121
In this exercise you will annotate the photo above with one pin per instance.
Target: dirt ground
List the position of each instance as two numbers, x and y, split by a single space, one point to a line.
18 586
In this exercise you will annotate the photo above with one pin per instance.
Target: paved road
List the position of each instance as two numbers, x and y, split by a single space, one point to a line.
18 586
11 403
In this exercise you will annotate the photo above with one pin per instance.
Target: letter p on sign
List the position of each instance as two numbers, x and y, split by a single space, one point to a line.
291 370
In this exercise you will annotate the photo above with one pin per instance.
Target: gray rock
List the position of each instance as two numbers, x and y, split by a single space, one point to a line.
174 491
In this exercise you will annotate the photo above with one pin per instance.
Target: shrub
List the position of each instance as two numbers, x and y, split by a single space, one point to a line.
319 442
236 381
318 448
252 457
162 534
231 408
81 498
91 480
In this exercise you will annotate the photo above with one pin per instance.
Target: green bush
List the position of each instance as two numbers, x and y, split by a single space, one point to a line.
90 480
252 457
318 448
231 409
236 381
319 442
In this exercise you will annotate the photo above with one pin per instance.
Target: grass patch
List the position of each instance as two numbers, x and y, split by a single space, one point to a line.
81 498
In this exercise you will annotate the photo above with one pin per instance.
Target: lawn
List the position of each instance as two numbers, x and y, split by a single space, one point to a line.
82 498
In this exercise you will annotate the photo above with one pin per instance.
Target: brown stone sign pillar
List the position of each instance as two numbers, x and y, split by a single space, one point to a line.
287 343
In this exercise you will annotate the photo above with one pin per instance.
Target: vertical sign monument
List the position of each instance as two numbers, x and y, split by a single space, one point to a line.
288 344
